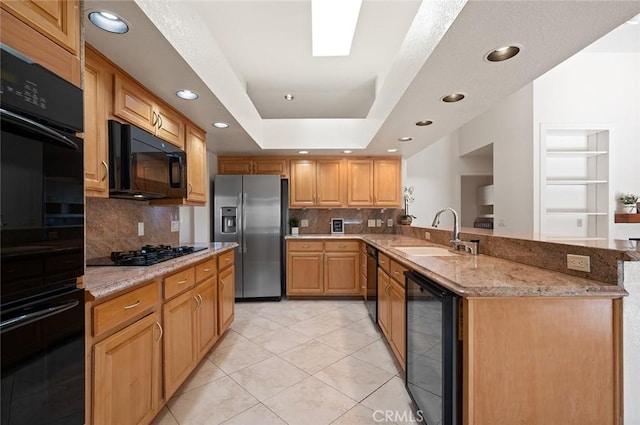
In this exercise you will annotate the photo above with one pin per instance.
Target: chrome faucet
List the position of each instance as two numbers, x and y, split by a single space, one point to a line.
470 247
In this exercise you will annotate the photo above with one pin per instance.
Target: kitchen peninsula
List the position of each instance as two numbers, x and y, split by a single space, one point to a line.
538 345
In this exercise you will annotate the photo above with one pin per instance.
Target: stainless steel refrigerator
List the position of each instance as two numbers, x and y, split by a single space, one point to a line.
248 210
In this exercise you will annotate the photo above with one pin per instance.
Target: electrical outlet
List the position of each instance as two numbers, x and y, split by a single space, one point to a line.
175 225
379 223
579 222
304 223
427 236
579 262
140 229
389 222
371 223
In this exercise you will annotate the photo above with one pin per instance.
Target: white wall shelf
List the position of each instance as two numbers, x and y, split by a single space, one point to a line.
574 171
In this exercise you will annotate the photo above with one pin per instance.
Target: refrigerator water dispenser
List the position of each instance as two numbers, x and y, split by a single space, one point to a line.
228 215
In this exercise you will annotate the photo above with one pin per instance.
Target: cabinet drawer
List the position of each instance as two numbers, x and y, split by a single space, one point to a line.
225 260
306 245
207 269
118 310
397 272
384 262
178 282
342 246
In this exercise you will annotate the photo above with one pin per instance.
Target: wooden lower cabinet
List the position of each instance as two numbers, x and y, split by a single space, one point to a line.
180 355
391 312
383 303
128 374
341 273
305 274
207 316
226 298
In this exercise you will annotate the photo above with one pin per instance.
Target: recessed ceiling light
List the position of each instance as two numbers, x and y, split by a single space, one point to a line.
220 125
502 53
303 152
347 151
424 123
187 94
455 97
288 96
392 150
405 139
109 22
333 24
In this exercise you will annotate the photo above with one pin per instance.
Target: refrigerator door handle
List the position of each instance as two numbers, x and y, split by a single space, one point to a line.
244 223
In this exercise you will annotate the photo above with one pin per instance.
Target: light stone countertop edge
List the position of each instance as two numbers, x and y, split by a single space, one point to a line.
481 275
104 281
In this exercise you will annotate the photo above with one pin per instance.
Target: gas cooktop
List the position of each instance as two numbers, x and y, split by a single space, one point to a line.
146 256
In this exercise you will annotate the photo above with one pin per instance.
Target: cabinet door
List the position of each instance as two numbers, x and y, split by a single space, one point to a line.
206 315
133 103
360 182
169 126
58 20
386 182
304 273
383 302
341 273
329 183
179 340
127 374
234 166
397 319
271 166
97 97
302 184
196 166
226 298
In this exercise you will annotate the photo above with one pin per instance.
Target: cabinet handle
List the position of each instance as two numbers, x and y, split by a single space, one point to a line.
182 282
155 118
396 272
190 188
135 304
342 246
106 171
161 331
222 283
159 121
200 298
305 246
207 270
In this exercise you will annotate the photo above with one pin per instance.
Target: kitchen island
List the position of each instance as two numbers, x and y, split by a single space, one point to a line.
538 346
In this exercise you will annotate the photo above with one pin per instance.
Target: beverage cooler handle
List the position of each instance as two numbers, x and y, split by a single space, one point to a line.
24 319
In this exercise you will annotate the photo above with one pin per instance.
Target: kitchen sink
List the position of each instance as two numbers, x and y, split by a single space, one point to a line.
425 251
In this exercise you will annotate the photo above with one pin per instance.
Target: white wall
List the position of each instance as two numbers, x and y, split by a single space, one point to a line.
433 173
599 88
509 126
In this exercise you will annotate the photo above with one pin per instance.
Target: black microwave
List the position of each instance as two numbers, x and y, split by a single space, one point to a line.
142 166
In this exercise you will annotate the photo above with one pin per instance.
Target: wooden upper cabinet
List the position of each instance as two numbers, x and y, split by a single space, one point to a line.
24 36
98 86
329 183
239 165
386 183
135 104
196 165
316 183
360 182
58 20
302 185
374 182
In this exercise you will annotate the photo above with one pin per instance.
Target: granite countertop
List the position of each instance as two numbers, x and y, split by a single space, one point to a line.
107 280
482 275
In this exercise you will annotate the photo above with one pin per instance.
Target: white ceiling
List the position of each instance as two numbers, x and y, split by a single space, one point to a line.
243 56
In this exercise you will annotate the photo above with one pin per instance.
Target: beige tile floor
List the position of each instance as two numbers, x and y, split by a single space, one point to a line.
308 362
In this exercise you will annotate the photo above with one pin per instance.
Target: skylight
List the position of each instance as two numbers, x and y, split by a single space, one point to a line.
333 24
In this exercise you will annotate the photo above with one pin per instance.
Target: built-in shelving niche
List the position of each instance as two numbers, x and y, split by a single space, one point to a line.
574 189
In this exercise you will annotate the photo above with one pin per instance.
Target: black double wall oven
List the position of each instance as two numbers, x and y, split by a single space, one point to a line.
41 246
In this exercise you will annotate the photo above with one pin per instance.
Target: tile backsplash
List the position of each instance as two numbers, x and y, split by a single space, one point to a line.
356 220
112 225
